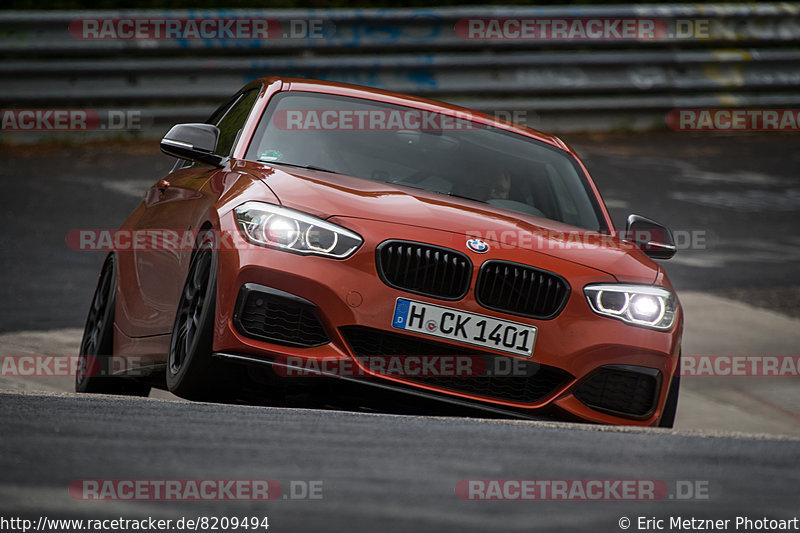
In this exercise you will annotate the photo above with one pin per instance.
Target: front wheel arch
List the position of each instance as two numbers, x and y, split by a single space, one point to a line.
96 351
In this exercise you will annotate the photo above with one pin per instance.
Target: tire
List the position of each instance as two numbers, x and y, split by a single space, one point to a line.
671 405
95 367
191 372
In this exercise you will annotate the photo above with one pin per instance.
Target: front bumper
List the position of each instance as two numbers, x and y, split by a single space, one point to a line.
583 367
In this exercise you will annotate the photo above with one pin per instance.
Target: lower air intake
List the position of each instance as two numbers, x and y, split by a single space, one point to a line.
275 316
621 389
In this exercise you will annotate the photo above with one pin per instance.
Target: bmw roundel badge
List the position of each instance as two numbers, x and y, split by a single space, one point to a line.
478 246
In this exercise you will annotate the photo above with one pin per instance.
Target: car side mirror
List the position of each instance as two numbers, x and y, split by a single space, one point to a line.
195 142
654 239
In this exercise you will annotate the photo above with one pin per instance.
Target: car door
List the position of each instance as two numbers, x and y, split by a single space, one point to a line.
175 203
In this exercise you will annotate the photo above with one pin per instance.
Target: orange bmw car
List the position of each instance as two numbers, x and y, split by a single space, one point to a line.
395 241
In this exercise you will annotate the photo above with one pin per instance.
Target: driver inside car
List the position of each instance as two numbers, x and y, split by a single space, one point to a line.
496 187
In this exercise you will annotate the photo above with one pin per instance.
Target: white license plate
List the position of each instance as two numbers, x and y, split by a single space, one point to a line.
470 328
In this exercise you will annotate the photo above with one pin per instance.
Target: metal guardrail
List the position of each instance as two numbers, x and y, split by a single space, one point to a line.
733 55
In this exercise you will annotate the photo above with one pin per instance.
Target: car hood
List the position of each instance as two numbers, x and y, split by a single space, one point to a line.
327 195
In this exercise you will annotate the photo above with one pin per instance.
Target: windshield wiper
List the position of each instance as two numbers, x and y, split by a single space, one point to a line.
454 195
307 167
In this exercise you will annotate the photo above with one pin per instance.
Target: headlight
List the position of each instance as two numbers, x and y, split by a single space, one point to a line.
293 231
640 305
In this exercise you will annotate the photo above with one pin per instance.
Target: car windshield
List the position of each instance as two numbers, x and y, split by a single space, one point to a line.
409 147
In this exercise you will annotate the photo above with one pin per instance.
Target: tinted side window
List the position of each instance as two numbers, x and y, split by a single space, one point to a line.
213 119
232 122
221 110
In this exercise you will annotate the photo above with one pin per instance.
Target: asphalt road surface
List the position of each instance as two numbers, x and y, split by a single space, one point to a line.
377 472
739 284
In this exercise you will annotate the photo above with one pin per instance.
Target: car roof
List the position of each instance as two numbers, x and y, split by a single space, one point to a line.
359 91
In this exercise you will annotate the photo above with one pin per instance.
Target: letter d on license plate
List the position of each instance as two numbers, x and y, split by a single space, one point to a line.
461 326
